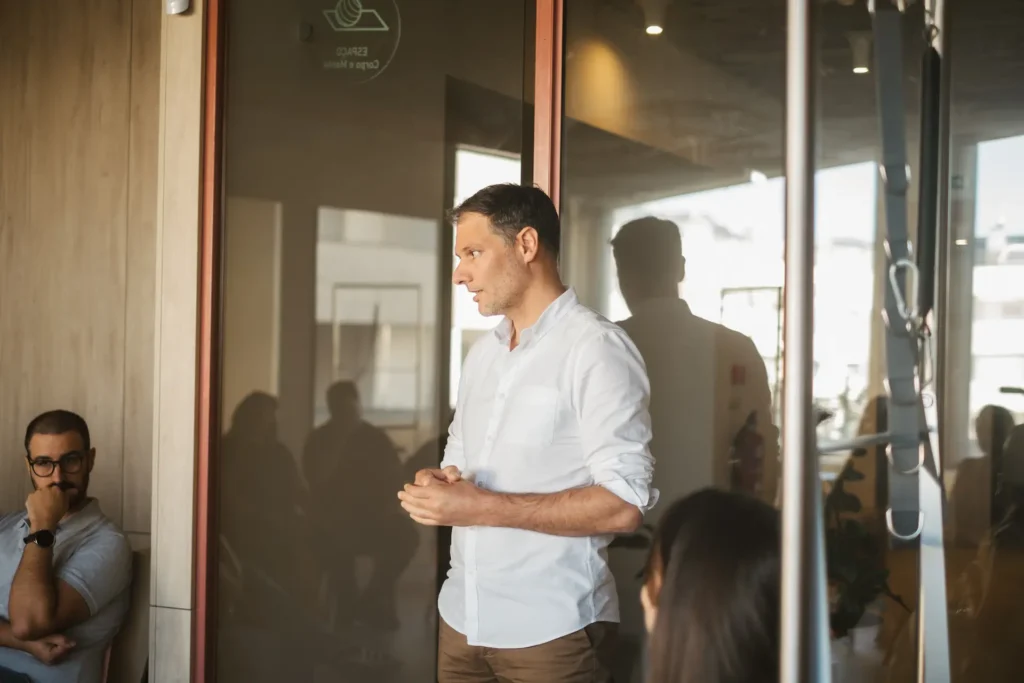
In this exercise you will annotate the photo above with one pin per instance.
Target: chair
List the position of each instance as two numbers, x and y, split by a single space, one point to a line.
127 657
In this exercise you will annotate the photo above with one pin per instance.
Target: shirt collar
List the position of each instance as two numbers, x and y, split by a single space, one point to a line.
77 521
555 311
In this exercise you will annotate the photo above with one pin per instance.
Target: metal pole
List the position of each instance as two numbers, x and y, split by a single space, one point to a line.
944 233
934 664
801 660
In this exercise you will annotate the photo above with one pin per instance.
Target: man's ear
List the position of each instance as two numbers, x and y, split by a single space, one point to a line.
528 242
90 459
682 269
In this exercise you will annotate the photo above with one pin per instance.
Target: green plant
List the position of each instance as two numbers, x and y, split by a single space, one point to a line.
854 556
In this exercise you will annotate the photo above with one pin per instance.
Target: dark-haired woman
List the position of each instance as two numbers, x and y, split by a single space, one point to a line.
711 593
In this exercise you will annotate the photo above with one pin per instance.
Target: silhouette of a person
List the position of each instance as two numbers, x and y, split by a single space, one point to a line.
706 379
353 470
262 495
710 406
977 499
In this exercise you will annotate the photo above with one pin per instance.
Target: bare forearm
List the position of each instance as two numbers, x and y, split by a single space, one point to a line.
588 511
33 601
8 640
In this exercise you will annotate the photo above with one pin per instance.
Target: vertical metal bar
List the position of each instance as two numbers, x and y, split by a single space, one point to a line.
800 658
933 628
928 171
208 408
547 127
944 233
526 152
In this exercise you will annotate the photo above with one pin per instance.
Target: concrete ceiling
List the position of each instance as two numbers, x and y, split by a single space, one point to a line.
711 100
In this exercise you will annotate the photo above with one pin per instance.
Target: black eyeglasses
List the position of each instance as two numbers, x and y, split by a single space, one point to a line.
70 463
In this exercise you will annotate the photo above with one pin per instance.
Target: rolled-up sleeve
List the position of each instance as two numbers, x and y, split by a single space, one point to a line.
99 570
612 398
453 450
454 453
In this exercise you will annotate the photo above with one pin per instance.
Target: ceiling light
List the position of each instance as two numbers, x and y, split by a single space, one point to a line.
654 15
860 48
961 243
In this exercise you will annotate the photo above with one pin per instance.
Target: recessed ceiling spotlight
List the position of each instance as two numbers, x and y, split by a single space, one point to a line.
654 15
860 49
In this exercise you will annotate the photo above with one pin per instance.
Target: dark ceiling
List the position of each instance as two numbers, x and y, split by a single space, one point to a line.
745 40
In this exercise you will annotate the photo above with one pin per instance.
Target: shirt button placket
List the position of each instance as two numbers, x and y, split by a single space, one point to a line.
493 425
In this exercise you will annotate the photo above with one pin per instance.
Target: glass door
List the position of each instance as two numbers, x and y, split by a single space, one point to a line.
342 123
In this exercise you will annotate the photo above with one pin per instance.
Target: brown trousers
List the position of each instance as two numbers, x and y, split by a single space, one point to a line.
580 657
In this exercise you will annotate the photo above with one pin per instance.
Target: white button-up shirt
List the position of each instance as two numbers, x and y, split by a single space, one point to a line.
567 408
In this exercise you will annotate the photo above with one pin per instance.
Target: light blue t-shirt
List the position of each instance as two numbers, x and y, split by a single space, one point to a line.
94 557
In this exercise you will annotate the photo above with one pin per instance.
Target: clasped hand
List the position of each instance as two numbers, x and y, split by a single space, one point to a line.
51 649
46 506
443 498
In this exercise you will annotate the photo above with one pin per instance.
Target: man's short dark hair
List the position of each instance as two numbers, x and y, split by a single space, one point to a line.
509 208
58 422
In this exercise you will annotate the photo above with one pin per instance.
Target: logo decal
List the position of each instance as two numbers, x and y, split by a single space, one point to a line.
363 39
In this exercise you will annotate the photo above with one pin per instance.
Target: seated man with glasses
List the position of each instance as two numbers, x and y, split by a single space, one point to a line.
65 569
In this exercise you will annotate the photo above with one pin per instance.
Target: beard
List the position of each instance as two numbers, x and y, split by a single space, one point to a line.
77 496
507 292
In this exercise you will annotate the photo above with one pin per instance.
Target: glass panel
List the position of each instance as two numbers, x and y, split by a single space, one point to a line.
685 126
351 127
985 356
875 634
872 582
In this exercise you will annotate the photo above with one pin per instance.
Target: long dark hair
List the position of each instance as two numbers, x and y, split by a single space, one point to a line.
717 554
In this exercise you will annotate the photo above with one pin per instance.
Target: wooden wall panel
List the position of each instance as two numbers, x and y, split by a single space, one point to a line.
63 275
78 135
141 240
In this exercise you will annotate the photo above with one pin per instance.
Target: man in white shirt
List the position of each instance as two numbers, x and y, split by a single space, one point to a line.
547 458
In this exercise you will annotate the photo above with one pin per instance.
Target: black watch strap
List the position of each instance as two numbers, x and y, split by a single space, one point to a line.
44 538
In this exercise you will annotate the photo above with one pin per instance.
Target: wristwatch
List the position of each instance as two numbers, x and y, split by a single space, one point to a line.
43 538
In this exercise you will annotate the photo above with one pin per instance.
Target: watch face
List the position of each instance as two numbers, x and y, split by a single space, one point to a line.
44 538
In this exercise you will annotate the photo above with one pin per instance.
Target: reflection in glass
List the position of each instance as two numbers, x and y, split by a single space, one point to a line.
685 130
336 303
672 226
987 486
875 638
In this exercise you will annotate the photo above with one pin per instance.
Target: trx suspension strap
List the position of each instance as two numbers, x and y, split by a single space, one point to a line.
916 493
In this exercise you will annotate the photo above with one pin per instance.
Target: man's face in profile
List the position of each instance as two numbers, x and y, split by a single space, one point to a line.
61 460
489 267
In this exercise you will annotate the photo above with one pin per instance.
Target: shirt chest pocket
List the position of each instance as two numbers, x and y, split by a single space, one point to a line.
530 416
